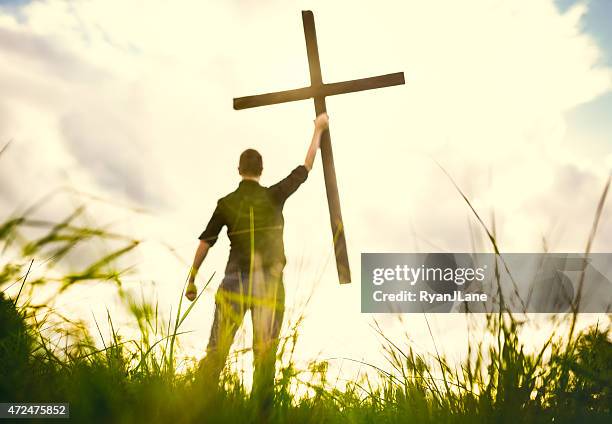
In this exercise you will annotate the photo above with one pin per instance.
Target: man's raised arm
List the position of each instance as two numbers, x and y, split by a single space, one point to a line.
288 185
321 125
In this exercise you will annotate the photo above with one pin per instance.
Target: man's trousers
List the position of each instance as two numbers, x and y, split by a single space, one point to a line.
261 292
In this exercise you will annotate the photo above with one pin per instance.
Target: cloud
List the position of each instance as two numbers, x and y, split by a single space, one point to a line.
116 155
46 56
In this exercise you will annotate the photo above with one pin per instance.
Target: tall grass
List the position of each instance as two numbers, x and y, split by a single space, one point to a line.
46 357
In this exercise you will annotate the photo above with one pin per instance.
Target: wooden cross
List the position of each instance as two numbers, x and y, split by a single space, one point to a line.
318 91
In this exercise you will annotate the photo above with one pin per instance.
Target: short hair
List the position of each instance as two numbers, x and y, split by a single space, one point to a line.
250 163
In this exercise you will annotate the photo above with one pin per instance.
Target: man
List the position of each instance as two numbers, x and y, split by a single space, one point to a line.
254 272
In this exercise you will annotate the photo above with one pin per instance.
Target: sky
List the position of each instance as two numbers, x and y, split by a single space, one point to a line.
130 102
591 118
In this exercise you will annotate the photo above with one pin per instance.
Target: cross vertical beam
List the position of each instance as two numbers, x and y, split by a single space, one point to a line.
327 155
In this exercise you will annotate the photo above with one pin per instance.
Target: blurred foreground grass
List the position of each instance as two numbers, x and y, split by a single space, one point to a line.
47 358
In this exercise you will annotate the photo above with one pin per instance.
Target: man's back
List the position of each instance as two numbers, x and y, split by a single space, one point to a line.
254 220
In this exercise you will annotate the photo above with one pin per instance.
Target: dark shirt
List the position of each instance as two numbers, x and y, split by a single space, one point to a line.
253 215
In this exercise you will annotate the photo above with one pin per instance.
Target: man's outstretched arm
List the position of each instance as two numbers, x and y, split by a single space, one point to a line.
321 125
207 239
200 254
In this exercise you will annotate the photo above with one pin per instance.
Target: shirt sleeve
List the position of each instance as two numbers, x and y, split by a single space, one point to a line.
288 185
216 223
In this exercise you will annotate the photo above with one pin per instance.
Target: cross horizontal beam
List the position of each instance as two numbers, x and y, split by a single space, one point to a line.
322 90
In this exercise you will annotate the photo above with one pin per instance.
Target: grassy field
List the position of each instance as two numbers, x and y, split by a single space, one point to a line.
47 358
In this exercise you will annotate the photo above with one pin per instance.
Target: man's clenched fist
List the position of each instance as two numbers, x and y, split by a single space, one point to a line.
322 122
191 291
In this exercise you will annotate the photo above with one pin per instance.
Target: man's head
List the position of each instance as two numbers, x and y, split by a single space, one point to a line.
251 164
